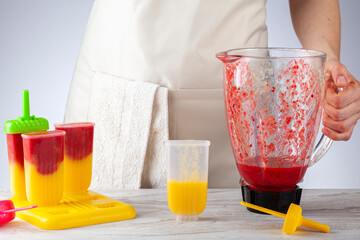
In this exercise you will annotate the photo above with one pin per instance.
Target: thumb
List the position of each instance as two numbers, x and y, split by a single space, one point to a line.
341 81
339 75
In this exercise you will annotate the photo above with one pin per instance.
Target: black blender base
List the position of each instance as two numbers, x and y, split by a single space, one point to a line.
277 201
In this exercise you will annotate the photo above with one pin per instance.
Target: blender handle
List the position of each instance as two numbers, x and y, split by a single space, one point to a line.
322 146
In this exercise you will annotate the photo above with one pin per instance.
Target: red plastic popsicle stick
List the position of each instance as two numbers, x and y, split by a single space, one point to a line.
17 209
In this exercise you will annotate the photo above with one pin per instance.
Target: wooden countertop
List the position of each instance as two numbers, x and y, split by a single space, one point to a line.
223 218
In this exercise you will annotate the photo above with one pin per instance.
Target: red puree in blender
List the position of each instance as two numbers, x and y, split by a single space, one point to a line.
271 179
272 123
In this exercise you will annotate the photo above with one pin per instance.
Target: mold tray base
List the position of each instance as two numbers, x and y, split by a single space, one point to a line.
76 210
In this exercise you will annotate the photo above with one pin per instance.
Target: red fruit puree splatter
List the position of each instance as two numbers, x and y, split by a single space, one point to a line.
15 148
272 122
78 139
44 149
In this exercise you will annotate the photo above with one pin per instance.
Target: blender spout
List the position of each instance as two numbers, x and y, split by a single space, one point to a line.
226 58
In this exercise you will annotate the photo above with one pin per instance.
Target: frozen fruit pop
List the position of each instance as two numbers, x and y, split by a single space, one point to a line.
7 211
78 155
44 166
13 130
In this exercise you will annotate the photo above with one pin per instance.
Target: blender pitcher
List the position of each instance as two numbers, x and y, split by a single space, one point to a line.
273 109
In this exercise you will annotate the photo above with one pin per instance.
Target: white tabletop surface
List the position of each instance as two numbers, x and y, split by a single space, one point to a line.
223 218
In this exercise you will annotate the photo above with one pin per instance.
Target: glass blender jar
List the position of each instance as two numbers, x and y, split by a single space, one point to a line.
273 109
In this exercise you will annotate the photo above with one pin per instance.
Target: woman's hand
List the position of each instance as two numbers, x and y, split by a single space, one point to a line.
341 108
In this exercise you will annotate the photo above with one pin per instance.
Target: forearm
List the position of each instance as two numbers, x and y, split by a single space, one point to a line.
317 25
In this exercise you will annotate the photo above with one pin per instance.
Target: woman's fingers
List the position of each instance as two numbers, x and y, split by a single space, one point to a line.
342 125
337 136
342 99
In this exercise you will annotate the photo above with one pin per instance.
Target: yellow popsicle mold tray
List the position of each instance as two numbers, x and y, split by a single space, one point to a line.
75 211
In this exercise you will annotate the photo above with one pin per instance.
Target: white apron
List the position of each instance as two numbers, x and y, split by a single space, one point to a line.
172 43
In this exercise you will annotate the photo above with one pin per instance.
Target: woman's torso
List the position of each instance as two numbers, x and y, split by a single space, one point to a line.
172 43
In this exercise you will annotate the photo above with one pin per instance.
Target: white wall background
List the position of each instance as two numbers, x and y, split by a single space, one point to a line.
40 41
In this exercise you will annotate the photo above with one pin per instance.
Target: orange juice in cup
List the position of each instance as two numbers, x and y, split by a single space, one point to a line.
187 198
187 177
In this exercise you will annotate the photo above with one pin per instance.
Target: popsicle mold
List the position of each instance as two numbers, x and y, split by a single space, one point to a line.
16 165
13 130
26 123
78 155
44 166
76 210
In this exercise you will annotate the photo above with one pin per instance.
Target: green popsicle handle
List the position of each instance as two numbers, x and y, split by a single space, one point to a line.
26 122
26 105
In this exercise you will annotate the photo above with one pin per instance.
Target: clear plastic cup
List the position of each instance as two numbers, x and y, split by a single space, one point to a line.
44 166
78 155
187 177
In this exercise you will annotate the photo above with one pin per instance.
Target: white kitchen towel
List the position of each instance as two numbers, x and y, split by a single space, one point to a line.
131 130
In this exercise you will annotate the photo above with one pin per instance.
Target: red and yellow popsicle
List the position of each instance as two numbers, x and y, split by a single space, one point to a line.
16 166
14 129
44 166
78 155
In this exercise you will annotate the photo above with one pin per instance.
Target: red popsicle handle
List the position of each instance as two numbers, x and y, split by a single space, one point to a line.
17 209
